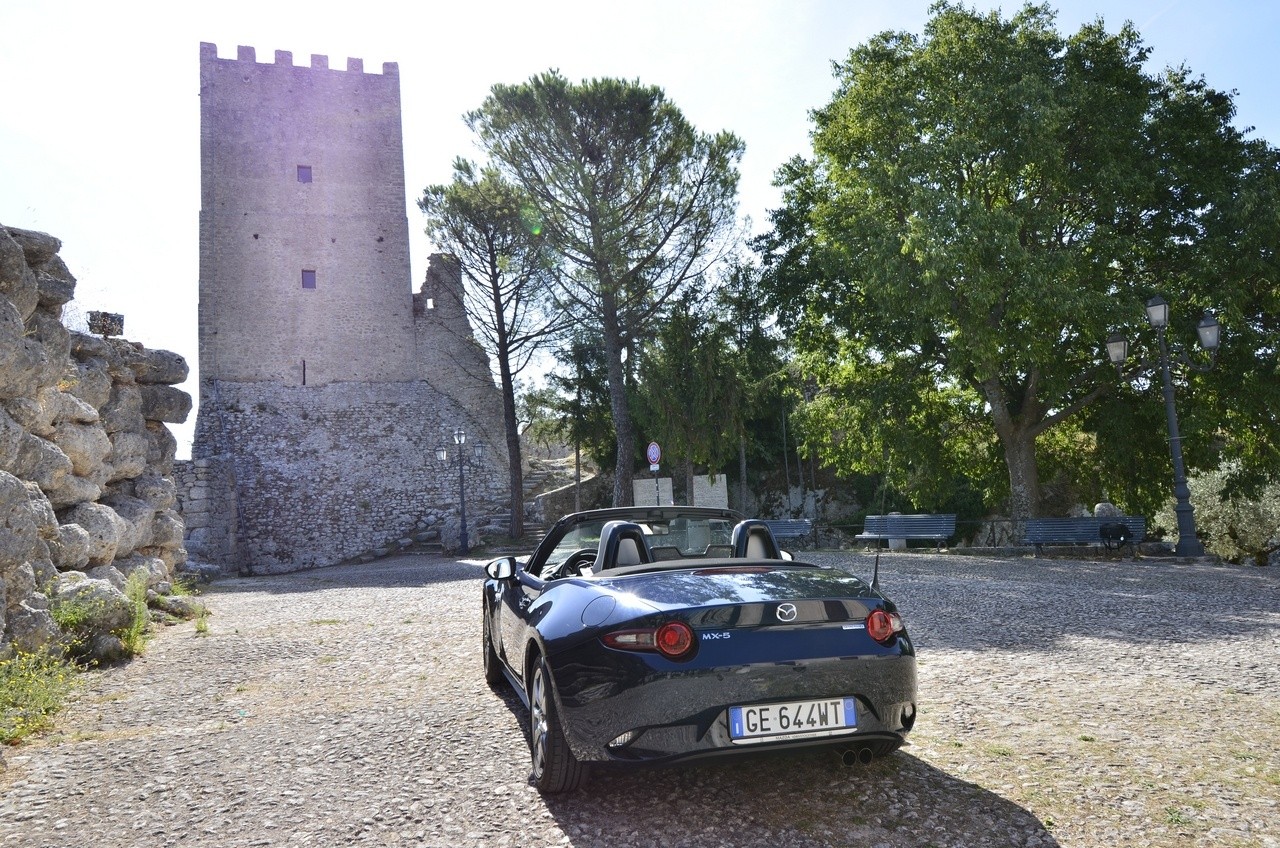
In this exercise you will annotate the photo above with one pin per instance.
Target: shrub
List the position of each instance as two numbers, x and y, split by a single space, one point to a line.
1235 527
33 688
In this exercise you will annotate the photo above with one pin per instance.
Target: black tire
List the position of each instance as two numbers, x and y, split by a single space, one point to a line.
555 768
492 665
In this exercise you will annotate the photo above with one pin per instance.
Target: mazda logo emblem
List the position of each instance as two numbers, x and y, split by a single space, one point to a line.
786 612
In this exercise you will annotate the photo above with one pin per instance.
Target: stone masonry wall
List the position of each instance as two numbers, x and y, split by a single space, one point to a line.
326 474
86 496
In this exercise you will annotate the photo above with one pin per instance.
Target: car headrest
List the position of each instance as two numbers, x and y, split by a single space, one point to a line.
753 539
622 543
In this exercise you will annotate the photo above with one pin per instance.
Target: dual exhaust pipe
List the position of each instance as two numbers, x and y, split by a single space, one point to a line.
851 757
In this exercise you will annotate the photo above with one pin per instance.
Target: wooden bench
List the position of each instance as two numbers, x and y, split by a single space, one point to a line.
789 528
938 527
1085 530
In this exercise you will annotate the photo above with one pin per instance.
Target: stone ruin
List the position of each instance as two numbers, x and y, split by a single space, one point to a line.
86 491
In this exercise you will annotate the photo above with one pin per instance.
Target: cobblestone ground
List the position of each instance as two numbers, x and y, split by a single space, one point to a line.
1063 703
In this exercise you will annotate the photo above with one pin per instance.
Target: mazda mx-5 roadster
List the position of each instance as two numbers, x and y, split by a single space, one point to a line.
657 634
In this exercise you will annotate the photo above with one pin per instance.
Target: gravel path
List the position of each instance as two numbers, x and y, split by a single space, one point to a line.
1063 703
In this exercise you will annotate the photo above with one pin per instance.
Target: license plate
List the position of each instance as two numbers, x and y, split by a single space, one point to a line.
792 720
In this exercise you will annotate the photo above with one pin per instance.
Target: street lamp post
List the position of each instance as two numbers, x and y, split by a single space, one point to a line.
442 455
1117 349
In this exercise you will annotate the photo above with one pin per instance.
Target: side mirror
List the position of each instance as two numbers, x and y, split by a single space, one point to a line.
501 569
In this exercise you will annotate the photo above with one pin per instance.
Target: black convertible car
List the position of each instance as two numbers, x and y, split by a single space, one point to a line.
653 634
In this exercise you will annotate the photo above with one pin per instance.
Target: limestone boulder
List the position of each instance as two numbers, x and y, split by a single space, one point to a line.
90 381
86 445
18 531
162 447
41 512
40 461
37 248
55 283
70 550
138 517
156 490
178 606
128 457
105 529
123 411
23 360
54 341
152 568
71 489
58 406
109 573
167 530
99 610
29 627
165 403
159 367
18 282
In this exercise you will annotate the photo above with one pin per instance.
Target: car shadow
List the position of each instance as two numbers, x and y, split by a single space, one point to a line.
405 571
798 798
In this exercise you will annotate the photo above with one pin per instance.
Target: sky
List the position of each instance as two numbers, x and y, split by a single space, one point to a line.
100 112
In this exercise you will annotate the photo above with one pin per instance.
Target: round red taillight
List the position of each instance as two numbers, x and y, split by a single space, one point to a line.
674 639
882 626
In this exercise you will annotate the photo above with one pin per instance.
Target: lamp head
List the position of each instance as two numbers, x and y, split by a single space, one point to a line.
442 455
459 436
1209 332
1158 312
1117 348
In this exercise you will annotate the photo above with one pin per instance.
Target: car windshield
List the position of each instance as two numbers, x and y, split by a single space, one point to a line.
681 537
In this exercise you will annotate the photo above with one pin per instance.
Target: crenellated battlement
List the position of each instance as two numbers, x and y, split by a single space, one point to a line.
284 58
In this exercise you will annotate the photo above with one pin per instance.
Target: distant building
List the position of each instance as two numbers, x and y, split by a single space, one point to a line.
326 383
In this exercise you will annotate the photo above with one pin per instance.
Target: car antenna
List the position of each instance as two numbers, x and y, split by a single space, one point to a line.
884 485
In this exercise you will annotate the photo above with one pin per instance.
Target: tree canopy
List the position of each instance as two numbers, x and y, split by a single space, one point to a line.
632 198
985 203
490 227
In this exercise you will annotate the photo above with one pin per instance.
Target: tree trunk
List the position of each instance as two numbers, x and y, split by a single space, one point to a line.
1019 443
623 492
742 473
514 456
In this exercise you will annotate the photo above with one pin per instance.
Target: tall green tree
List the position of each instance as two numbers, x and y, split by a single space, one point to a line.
632 197
690 389
985 204
490 227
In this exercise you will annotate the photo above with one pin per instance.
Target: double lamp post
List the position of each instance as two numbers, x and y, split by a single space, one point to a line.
442 455
1117 350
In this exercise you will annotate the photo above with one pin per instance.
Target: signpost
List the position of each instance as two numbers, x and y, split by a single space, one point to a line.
654 455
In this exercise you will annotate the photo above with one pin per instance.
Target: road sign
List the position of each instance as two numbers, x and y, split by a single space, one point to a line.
654 453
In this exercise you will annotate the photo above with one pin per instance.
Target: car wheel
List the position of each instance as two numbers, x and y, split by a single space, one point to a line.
492 665
555 768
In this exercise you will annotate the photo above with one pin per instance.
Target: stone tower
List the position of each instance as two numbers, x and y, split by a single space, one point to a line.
325 382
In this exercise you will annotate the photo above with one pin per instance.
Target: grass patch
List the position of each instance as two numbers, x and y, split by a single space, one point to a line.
325 621
135 633
33 688
202 623
999 751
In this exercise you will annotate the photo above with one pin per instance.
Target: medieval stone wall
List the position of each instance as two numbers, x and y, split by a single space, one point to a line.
86 496
326 474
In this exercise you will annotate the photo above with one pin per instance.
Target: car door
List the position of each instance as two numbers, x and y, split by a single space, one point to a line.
515 597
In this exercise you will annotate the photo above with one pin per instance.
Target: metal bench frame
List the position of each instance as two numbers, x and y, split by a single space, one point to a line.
939 527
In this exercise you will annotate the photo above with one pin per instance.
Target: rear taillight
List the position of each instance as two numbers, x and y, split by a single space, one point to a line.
674 640
884 626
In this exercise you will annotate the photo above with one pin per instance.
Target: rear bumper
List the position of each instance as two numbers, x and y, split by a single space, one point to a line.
634 711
